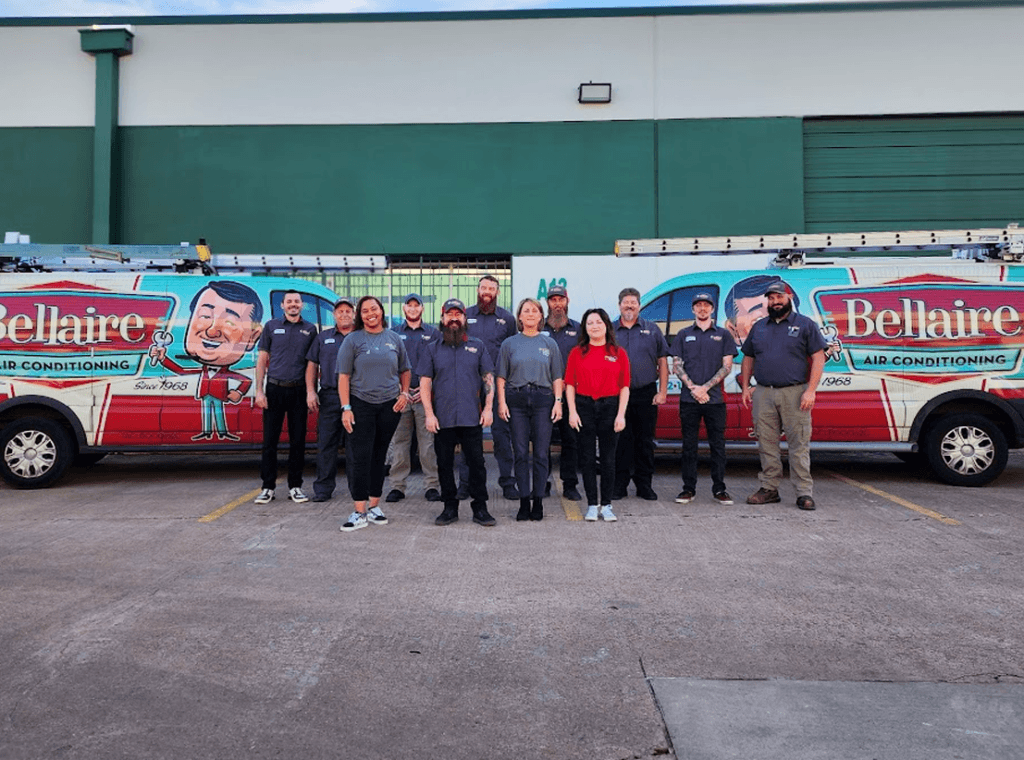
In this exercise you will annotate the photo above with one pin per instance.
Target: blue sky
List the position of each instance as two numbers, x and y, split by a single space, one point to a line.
22 8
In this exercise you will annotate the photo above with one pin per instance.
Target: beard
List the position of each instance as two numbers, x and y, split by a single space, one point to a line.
558 318
780 312
486 303
454 335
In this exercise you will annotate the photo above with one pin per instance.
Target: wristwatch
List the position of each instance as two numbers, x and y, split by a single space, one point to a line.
346 408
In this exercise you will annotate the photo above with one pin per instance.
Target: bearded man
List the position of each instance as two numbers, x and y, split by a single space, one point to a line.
457 392
785 353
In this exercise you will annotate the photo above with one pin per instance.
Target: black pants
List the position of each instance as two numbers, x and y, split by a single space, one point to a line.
634 455
368 446
472 442
569 456
598 428
330 435
530 422
282 401
713 415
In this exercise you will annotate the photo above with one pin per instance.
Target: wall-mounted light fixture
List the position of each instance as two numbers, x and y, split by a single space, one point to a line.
591 92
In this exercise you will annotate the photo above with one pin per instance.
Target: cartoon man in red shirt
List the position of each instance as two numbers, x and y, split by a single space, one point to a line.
225 325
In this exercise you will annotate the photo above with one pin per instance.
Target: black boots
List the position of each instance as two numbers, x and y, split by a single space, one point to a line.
538 509
524 509
449 515
482 517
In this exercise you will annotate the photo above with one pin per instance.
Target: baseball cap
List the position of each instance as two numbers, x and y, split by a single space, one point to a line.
702 297
413 297
777 287
453 303
558 290
345 300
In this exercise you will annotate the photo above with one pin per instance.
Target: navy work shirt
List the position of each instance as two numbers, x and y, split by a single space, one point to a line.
566 338
324 351
702 352
781 349
492 329
644 345
287 343
456 374
415 340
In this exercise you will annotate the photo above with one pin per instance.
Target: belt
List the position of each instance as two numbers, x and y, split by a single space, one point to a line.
532 387
286 383
777 387
329 388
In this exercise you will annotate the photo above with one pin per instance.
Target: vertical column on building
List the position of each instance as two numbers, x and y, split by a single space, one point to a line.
106 45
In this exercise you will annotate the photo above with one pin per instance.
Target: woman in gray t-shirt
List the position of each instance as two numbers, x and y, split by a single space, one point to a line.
373 385
530 400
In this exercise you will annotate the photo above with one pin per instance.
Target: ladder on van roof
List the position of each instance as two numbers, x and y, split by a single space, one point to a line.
180 259
981 244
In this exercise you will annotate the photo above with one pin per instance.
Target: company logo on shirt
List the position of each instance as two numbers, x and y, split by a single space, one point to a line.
546 351
471 349
794 331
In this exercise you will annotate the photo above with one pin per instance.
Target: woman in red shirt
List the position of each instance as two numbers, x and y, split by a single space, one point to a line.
597 390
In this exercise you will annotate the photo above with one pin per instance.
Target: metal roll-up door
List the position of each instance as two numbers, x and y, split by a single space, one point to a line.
927 172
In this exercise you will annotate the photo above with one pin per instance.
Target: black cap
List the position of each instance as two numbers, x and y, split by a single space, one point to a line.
453 303
413 297
558 290
702 297
777 287
344 299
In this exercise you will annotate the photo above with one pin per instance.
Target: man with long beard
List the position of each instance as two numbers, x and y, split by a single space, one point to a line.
785 353
457 391
493 324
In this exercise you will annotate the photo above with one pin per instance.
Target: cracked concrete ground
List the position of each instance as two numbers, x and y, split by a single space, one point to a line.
128 628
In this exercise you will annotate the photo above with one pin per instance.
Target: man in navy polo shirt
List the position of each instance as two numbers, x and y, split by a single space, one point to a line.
785 353
282 363
565 332
645 345
457 390
703 359
416 336
322 363
492 324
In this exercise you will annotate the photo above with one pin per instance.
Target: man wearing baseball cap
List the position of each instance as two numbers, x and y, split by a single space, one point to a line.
322 364
703 354
457 390
785 354
565 332
416 336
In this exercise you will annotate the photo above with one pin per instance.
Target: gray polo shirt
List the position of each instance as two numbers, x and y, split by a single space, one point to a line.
456 374
415 341
566 338
324 351
373 362
492 329
702 352
287 343
523 360
781 349
644 344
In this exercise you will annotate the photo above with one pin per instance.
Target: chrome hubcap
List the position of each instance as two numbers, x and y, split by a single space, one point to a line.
967 450
30 454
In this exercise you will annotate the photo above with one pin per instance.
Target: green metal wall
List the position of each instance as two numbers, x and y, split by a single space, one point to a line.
913 173
46 183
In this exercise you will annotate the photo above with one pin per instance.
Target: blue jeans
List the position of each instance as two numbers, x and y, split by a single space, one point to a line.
597 416
530 422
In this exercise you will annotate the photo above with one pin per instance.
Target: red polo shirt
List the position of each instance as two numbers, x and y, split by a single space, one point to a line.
603 371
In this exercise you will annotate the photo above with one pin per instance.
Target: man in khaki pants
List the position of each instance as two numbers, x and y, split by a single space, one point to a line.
776 353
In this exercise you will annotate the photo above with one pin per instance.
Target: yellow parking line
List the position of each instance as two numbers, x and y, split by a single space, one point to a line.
572 512
897 500
228 507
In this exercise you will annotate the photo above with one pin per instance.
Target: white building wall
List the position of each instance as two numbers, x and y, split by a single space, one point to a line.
527 70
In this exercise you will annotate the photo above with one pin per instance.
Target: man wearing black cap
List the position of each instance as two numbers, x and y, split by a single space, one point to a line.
416 336
322 364
457 390
703 359
785 353
565 332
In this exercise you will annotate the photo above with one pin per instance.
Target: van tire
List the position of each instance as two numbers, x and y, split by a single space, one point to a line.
966 449
34 452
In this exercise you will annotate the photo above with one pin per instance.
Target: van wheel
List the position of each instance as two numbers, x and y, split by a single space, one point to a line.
34 452
966 450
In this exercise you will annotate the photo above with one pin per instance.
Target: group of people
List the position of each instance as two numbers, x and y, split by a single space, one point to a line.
599 382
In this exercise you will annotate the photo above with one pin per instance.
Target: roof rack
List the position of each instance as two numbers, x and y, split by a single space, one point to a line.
1003 244
180 259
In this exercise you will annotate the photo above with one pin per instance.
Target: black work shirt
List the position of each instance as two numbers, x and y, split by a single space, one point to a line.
287 343
566 338
415 340
781 349
644 345
492 329
702 352
456 374
324 351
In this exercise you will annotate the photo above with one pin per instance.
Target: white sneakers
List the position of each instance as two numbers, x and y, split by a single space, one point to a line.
606 513
356 520
296 495
266 496
376 517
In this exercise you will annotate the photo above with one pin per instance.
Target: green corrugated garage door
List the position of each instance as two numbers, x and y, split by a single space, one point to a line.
913 173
